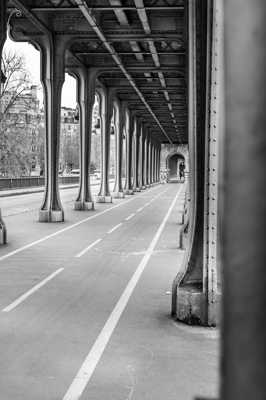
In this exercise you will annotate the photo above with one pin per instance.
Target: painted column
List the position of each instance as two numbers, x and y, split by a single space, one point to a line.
86 79
243 234
136 186
129 128
195 290
52 78
151 162
3 232
106 111
119 118
148 182
143 164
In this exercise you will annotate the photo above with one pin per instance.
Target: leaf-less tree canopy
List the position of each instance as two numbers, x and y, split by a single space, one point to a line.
18 117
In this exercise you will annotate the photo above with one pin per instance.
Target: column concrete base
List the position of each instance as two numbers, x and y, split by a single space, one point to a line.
192 307
83 205
128 191
51 216
143 187
104 199
118 195
136 189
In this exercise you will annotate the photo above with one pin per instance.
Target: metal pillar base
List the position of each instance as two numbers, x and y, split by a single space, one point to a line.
143 187
83 205
51 216
118 195
104 199
192 307
3 233
128 191
136 189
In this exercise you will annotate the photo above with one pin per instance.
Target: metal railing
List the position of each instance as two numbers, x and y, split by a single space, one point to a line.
31 181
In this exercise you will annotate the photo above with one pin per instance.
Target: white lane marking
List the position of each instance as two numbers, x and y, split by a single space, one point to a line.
34 289
140 209
115 227
27 246
86 370
130 216
88 248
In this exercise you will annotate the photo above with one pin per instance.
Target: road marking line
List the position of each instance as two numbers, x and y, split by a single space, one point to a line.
34 289
140 209
88 248
115 227
67 228
85 373
130 216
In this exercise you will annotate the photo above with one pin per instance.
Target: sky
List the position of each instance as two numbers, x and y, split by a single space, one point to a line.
32 60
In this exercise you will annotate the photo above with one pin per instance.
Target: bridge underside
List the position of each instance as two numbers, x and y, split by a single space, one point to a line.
157 69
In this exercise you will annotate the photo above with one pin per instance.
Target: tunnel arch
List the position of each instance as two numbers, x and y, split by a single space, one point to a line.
173 161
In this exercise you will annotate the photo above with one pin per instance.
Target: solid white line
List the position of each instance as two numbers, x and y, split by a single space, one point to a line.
115 227
88 248
130 216
87 368
20 299
140 209
67 228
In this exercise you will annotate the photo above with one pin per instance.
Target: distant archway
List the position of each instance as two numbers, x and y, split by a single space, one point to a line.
173 161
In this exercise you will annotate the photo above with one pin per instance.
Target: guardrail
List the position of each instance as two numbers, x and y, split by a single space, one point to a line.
31 181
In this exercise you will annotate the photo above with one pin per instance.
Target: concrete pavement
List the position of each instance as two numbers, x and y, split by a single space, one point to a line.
61 287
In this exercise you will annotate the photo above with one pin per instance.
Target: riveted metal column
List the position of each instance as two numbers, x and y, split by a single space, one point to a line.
141 150
52 78
136 185
190 296
151 162
244 250
129 128
86 79
119 119
106 112
148 143
3 232
142 161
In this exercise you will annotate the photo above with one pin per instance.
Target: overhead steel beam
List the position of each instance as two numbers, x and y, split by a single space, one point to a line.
86 11
109 8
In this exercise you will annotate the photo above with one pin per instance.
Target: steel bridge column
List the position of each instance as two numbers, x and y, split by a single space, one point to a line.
86 79
148 143
195 291
119 126
52 78
141 154
244 250
143 164
3 232
136 186
106 112
129 137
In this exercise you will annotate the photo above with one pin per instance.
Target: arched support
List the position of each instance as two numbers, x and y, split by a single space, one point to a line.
119 121
52 78
3 231
129 130
106 111
86 79
136 185
195 298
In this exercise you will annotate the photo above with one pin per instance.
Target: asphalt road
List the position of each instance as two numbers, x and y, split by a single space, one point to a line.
85 304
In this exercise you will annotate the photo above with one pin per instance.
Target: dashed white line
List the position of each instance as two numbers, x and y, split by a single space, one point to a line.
140 209
86 370
22 298
88 248
67 228
115 227
130 216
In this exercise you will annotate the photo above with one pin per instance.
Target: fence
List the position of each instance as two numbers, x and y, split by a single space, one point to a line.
31 181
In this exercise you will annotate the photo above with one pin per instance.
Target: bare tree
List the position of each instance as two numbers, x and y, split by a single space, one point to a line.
16 117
